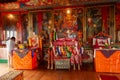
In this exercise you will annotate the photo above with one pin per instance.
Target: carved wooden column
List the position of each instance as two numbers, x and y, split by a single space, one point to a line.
112 28
30 24
84 25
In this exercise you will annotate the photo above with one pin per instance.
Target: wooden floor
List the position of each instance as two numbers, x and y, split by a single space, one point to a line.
86 73
41 73
4 68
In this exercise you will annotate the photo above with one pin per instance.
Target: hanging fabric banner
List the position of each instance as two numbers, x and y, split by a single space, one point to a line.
40 18
105 14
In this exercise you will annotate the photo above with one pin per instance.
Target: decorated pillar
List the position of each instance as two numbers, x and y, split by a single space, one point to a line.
30 25
19 28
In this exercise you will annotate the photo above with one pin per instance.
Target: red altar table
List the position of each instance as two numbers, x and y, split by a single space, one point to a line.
107 60
26 59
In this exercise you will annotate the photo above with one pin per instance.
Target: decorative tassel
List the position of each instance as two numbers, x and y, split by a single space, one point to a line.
68 52
76 49
58 50
55 35
53 48
81 50
62 51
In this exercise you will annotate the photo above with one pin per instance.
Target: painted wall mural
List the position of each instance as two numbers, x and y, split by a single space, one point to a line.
94 22
68 21
41 25
99 19
18 4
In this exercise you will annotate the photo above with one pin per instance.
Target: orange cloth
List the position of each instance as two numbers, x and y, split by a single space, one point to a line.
111 64
27 62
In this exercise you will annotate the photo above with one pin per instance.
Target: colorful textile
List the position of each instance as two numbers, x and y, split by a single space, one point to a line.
21 52
27 62
68 48
58 51
108 77
75 59
100 42
55 36
110 64
107 53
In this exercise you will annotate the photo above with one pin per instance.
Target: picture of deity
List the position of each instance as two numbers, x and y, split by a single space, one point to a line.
68 20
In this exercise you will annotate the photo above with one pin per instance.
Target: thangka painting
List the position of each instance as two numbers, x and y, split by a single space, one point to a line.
68 21
99 19
42 23
94 22
46 24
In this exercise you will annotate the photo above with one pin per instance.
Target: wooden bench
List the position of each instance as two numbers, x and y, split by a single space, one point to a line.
12 75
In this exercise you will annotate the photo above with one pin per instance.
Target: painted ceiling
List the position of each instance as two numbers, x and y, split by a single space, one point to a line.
32 4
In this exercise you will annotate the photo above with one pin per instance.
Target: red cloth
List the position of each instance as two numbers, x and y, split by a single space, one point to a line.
108 77
50 0
104 11
40 18
23 0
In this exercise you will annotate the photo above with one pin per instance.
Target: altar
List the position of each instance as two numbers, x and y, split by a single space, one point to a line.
107 60
24 59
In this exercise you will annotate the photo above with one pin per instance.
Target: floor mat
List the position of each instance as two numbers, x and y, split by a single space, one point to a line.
108 77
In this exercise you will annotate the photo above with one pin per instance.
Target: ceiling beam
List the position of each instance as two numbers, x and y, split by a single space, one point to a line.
7 1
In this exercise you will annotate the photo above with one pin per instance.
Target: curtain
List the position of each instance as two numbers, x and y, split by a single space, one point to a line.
105 14
40 18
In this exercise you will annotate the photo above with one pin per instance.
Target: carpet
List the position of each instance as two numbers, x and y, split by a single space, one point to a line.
108 77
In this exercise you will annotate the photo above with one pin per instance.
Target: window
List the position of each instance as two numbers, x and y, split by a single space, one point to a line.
10 33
